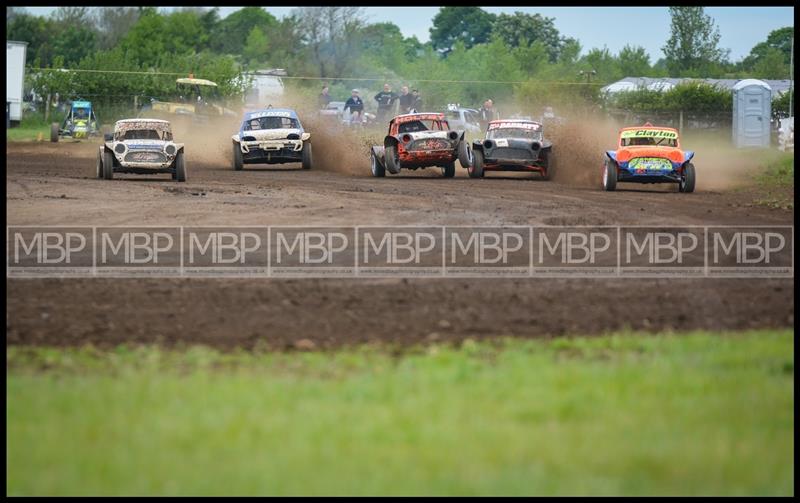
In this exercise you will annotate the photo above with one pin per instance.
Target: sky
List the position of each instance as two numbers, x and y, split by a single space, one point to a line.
740 27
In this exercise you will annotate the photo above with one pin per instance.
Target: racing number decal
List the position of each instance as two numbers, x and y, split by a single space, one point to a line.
649 133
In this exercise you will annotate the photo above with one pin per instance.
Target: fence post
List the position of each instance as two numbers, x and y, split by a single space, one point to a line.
47 108
680 122
135 103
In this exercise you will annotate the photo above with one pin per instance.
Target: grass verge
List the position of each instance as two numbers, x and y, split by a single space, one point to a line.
696 414
777 181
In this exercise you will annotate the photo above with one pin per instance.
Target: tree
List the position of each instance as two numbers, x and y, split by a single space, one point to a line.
255 49
778 42
74 16
471 25
114 23
602 62
526 29
37 32
230 35
634 61
771 65
693 43
331 35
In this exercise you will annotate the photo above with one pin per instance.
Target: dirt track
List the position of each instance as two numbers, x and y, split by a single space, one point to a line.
54 184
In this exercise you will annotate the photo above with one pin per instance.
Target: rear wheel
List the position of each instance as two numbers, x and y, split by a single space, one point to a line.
476 170
391 159
238 163
108 165
54 132
687 178
464 154
306 155
180 167
378 169
609 175
449 169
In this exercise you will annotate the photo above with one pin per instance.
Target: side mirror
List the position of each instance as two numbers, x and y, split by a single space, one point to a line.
108 137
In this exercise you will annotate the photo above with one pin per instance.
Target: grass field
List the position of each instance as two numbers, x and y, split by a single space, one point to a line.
28 133
694 414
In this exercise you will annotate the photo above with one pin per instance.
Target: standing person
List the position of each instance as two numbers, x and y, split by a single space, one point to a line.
324 98
405 101
385 99
416 101
355 105
487 113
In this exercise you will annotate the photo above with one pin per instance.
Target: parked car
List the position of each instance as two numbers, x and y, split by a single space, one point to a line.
649 154
512 145
420 140
142 147
271 136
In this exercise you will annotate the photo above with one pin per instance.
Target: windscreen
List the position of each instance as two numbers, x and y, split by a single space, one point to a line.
511 132
649 137
271 123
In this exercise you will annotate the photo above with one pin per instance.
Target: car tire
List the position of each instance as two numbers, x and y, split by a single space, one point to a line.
391 160
378 169
108 165
54 132
465 154
238 162
548 166
307 155
99 167
687 182
476 170
609 175
449 169
180 167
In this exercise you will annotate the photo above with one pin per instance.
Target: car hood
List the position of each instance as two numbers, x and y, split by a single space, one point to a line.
144 144
421 135
272 134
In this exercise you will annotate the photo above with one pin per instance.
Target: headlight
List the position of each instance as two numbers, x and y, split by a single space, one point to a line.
170 150
120 148
487 144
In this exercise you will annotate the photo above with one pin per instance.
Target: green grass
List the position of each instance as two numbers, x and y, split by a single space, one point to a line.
776 180
694 414
28 133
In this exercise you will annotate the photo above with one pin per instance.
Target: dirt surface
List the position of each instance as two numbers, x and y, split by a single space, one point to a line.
49 184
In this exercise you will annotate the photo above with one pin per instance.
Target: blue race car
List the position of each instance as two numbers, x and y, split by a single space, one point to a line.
80 122
271 136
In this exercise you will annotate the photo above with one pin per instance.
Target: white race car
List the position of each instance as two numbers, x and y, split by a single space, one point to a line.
271 136
142 147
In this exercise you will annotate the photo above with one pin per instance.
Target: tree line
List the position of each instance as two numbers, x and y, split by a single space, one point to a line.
466 44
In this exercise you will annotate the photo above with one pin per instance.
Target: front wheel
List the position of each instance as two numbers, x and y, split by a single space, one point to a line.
378 169
54 132
687 178
108 165
547 165
476 170
306 155
99 167
391 160
609 175
464 154
180 167
238 163
449 169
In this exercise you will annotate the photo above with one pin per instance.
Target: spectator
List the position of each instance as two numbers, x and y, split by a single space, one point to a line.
355 105
487 113
405 101
385 99
324 98
416 101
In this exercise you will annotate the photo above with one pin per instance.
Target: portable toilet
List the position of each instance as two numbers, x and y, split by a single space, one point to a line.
752 110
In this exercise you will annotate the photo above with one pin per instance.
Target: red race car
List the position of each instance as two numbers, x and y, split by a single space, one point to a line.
420 140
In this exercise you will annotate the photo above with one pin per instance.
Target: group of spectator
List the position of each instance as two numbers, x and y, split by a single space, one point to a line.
406 102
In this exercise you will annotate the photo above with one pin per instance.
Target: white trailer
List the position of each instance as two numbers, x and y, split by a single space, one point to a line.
15 79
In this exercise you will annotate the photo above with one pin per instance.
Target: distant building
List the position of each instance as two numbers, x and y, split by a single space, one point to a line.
664 84
267 87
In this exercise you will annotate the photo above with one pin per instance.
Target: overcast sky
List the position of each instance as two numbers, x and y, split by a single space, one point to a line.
740 27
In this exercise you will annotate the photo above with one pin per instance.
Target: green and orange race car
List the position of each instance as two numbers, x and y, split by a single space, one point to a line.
649 154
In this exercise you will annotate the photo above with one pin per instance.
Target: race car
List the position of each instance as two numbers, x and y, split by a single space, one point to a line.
80 122
271 136
512 145
420 140
142 147
649 154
